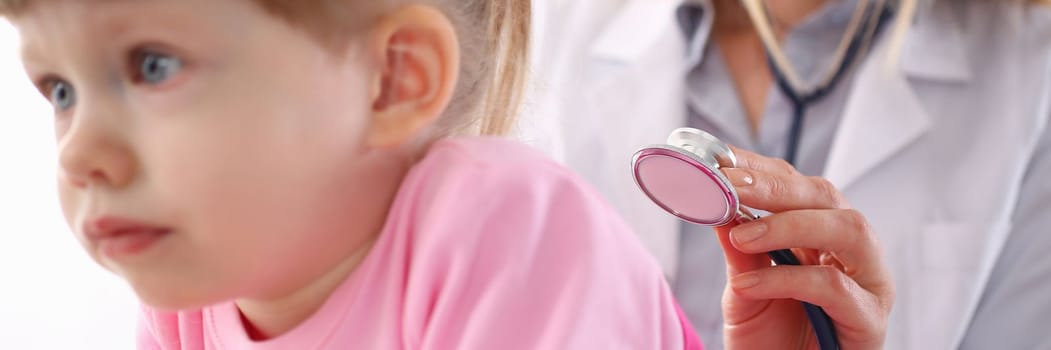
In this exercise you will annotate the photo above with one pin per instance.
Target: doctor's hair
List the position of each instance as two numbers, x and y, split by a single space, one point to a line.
494 49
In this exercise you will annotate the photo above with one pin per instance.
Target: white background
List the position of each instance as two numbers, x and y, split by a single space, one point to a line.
52 296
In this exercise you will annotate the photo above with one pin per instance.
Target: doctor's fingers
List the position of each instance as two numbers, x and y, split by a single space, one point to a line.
757 162
843 233
779 192
859 313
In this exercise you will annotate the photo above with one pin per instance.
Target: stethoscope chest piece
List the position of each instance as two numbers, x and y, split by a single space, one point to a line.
683 177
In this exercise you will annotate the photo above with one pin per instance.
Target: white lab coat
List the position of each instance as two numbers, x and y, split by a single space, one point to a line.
934 159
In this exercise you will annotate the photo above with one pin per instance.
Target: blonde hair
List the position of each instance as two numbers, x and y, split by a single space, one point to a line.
494 40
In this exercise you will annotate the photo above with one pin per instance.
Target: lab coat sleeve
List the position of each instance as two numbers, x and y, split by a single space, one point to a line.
1014 312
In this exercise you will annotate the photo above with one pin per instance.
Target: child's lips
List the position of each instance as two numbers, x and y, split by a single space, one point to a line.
115 237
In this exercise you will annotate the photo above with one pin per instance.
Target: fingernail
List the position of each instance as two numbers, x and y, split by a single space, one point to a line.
748 232
745 280
739 178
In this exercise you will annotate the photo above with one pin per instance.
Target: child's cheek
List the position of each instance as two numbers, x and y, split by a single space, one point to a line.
69 199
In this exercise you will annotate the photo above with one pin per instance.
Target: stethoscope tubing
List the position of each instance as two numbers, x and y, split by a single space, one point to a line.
824 330
801 100
819 319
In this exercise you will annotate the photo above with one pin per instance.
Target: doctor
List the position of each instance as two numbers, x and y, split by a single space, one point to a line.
937 132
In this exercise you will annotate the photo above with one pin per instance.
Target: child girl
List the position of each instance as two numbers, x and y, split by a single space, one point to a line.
277 174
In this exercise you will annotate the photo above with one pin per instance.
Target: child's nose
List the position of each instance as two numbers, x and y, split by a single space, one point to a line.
95 152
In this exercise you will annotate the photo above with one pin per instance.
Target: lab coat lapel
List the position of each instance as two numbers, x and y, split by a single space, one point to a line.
636 46
883 114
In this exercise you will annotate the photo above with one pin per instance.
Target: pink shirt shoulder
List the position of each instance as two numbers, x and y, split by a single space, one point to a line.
488 245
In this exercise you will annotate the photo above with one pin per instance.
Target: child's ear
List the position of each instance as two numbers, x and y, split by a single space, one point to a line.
417 57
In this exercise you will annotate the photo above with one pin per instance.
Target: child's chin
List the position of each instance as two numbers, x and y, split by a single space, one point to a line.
172 299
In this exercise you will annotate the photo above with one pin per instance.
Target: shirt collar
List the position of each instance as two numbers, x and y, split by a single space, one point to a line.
694 18
695 22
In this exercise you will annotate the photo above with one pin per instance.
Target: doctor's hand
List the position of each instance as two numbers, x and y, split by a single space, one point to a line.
843 268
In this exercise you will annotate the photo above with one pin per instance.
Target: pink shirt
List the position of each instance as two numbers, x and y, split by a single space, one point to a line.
488 245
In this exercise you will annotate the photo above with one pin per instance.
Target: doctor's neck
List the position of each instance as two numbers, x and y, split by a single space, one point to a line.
731 17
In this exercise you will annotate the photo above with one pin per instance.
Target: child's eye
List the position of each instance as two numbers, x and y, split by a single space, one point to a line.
155 68
61 94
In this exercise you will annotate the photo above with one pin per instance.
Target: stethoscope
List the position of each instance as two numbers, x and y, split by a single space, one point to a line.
863 26
683 176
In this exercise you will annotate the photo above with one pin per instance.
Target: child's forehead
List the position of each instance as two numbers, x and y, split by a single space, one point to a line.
105 20
116 15
18 8
8 7
92 16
